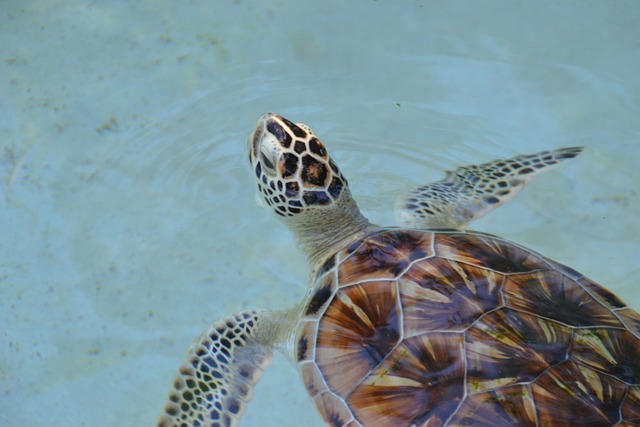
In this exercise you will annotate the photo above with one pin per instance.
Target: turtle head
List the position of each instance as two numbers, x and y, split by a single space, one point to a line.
298 181
293 170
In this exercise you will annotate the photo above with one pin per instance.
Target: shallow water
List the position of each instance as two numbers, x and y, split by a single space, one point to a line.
127 209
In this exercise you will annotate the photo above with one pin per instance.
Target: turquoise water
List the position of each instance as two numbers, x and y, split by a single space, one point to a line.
128 220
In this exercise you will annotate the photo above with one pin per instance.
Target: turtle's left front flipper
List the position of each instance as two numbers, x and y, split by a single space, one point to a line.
470 192
216 379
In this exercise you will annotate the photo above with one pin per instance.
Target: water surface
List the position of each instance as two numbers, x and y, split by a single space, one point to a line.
127 209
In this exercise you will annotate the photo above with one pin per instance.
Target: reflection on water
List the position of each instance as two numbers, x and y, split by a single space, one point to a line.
129 212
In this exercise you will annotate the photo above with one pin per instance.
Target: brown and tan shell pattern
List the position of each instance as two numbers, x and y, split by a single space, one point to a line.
411 328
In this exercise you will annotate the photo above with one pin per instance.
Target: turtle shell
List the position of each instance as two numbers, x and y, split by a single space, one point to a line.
413 328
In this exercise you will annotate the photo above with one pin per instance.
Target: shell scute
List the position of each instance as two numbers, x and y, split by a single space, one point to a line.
305 341
507 347
419 383
359 328
439 294
487 252
611 351
631 320
504 407
321 293
564 269
385 256
558 297
333 409
313 379
601 294
571 394
327 265
630 409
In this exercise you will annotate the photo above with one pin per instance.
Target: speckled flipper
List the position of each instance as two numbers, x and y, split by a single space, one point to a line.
217 376
470 192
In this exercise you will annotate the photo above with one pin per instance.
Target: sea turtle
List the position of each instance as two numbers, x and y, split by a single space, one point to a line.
424 325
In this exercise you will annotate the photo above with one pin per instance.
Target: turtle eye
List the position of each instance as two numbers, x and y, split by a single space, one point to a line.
269 167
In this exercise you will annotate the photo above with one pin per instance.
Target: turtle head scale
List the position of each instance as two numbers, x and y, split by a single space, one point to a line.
293 171
300 183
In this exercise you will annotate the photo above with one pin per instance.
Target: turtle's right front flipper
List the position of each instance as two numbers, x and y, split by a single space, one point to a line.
216 379
470 192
